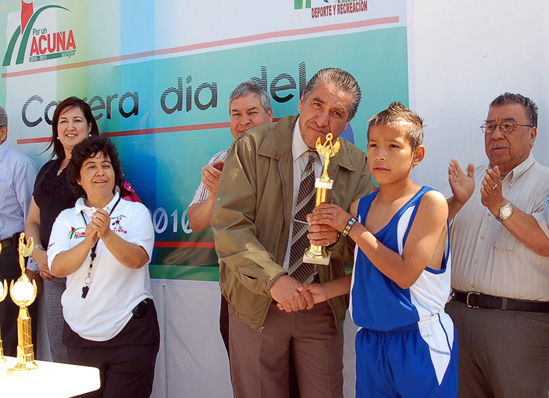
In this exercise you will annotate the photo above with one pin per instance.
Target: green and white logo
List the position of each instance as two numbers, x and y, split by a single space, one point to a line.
44 45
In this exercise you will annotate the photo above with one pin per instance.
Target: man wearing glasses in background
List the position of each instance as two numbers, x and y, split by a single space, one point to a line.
500 251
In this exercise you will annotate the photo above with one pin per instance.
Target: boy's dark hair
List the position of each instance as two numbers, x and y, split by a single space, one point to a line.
70 102
87 149
397 113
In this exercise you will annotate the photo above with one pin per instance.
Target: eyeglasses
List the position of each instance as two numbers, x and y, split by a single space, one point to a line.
505 127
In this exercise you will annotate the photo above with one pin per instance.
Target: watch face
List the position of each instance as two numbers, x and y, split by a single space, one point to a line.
505 212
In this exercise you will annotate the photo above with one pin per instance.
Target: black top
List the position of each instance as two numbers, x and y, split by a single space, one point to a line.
52 194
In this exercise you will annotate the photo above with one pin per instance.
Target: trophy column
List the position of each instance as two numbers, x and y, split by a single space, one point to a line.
317 254
25 349
23 293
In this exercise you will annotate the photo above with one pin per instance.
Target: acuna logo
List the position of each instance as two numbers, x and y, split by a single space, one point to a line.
44 44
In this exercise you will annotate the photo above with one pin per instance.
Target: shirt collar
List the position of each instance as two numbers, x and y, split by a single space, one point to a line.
298 145
80 206
520 169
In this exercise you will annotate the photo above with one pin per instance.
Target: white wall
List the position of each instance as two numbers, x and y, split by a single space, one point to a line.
468 52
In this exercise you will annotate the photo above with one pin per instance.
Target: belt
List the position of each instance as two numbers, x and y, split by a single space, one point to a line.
141 308
479 300
11 241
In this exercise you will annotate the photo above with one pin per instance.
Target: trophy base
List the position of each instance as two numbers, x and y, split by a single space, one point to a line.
312 258
22 367
25 359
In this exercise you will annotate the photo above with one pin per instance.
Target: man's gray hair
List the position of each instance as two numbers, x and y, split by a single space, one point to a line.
251 87
3 117
342 80
530 107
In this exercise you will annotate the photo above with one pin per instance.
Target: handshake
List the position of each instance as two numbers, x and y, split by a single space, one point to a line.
292 295
325 223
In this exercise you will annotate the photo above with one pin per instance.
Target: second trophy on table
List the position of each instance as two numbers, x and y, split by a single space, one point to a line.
23 293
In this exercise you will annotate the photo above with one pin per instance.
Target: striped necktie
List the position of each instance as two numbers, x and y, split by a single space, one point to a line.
299 270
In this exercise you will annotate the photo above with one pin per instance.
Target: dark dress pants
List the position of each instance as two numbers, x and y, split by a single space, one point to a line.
126 362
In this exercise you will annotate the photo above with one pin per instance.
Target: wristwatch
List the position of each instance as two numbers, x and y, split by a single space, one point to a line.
505 212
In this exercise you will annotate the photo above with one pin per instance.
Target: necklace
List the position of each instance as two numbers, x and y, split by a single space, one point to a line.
88 279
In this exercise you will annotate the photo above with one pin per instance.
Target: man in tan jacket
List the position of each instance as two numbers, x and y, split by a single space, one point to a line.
253 220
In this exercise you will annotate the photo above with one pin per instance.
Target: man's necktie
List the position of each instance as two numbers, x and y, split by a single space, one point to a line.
305 205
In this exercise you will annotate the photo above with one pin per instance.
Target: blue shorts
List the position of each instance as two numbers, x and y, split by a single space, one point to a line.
419 361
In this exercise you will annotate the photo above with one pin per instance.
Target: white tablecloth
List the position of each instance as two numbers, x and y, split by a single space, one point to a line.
49 379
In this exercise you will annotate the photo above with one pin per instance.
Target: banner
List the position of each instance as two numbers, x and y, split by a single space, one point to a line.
158 75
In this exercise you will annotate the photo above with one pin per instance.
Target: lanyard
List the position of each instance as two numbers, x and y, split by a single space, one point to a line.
88 279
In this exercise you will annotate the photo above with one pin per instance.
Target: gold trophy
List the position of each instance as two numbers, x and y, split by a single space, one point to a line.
317 254
23 294
3 294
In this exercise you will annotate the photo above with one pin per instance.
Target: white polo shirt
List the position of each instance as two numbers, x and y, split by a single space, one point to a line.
115 289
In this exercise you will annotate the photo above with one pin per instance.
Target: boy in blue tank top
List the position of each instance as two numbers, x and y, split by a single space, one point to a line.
406 345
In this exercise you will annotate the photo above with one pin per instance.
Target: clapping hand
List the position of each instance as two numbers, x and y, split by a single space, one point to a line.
491 193
462 184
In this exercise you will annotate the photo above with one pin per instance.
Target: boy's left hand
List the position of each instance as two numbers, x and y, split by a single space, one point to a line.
325 223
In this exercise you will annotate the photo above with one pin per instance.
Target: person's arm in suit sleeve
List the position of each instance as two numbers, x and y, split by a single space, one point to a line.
233 222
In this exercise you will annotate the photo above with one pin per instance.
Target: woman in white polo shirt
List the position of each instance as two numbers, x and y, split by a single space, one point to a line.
103 246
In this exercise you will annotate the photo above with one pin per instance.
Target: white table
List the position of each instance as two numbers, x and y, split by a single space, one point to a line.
49 379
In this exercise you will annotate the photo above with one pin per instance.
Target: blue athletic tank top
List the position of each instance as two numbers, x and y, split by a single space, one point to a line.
377 302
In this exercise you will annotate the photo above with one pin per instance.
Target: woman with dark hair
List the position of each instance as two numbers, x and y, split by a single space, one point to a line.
103 246
73 121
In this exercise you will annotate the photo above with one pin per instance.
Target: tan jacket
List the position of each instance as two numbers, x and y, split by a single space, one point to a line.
253 211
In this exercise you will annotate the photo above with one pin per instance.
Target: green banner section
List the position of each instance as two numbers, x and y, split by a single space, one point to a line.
185 272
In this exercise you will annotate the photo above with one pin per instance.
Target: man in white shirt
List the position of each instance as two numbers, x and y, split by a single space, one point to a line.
500 273
249 106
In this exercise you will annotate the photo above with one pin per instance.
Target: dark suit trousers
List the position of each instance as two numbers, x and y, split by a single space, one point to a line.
501 353
260 361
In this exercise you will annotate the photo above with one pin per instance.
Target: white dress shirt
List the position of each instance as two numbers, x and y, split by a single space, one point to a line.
487 258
